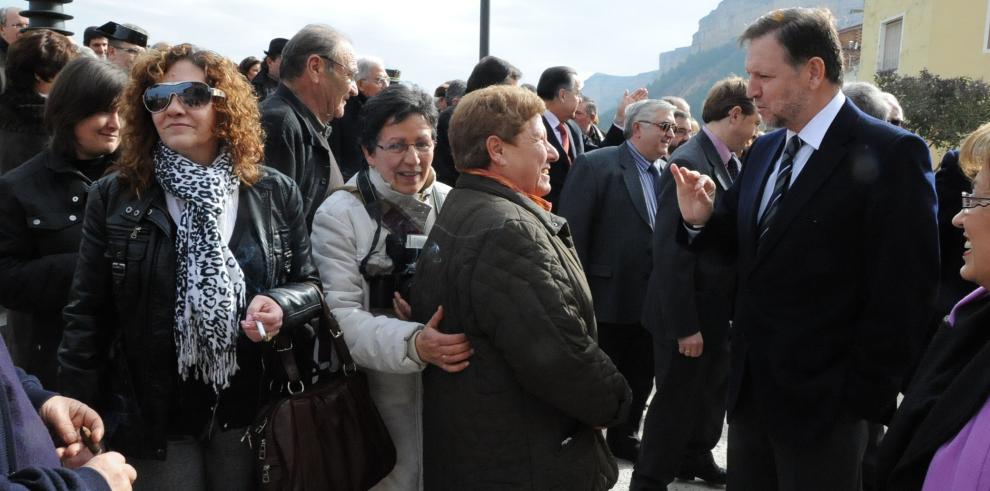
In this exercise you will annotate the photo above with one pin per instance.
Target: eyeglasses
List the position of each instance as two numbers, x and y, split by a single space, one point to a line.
969 201
133 51
20 25
381 82
191 94
349 72
664 126
681 131
400 148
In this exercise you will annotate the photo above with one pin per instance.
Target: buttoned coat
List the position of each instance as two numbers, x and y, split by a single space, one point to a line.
604 204
833 302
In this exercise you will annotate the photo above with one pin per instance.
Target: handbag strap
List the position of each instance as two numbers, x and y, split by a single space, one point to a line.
329 334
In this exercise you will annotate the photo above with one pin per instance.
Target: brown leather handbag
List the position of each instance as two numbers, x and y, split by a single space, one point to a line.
327 436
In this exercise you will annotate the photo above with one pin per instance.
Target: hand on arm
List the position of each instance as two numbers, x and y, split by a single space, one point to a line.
695 195
450 352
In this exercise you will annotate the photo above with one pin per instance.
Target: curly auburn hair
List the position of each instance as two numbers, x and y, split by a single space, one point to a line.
238 121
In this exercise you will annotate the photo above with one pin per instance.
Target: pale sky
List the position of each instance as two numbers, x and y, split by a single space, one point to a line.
429 40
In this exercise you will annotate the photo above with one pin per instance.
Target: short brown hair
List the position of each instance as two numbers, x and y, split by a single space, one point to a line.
238 121
39 53
805 34
974 154
725 95
499 110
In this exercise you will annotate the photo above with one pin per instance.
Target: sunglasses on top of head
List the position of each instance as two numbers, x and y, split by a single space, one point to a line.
191 94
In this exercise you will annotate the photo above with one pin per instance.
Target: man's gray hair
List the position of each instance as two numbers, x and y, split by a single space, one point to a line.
5 11
590 107
677 102
868 98
314 39
455 90
644 110
366 65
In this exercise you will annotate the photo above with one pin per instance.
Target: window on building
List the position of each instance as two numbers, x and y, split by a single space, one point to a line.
890 44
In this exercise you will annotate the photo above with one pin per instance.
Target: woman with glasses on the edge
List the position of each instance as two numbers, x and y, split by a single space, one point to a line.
366 239
186 249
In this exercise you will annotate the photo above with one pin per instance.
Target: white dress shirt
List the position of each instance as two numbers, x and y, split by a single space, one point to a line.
812 135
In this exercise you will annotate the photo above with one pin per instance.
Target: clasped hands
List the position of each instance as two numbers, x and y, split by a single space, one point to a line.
65 417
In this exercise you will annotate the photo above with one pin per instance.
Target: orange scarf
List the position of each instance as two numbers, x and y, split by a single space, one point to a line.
542 203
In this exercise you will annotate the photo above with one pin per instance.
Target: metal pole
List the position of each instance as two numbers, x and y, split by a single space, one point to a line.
485 17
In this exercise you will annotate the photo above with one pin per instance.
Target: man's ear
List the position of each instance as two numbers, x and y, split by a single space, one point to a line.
816 72
313 63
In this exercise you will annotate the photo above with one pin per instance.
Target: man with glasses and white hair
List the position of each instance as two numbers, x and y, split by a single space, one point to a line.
346 134
127 41
318 73
610 202
11 24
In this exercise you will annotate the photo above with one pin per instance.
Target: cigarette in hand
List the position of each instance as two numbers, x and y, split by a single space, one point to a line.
261 330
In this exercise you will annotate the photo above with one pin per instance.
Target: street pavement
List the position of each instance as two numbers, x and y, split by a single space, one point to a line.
625 471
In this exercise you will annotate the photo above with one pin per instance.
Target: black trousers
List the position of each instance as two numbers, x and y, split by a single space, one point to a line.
631 349
761 462
684 421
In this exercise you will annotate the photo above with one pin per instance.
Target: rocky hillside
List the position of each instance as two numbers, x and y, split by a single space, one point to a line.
689 71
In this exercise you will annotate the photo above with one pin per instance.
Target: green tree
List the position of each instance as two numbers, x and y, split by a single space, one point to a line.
942 110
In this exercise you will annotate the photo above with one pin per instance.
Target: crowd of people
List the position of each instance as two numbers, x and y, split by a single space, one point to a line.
514 276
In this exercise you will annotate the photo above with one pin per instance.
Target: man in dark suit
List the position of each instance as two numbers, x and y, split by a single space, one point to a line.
560 90
689 308
609 200
832 225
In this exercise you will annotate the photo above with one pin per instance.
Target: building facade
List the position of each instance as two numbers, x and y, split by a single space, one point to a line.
950 38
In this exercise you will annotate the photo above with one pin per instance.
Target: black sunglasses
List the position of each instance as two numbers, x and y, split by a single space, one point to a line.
191 94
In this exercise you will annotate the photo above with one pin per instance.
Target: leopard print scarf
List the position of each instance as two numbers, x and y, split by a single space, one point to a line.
209 286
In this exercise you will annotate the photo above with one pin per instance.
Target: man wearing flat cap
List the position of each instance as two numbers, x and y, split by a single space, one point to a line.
127 41
267 79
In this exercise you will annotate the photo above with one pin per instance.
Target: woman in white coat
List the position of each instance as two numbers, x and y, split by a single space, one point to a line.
366 238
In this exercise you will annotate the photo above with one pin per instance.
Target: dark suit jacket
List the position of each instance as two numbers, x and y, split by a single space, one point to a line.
604 204
560 168
689 292
831 309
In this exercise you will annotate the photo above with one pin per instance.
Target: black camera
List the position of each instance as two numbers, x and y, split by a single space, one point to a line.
404 251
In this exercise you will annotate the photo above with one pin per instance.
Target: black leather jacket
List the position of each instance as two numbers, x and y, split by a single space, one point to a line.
118 351
41 214
296 144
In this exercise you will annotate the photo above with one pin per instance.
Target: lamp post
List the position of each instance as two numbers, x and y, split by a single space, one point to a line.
48 15
485 17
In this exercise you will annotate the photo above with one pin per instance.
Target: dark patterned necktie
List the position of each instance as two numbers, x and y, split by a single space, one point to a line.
732 166
780 187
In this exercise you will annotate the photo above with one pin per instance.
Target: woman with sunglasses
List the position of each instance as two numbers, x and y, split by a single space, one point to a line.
41 209
366 238
193 257
940 436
